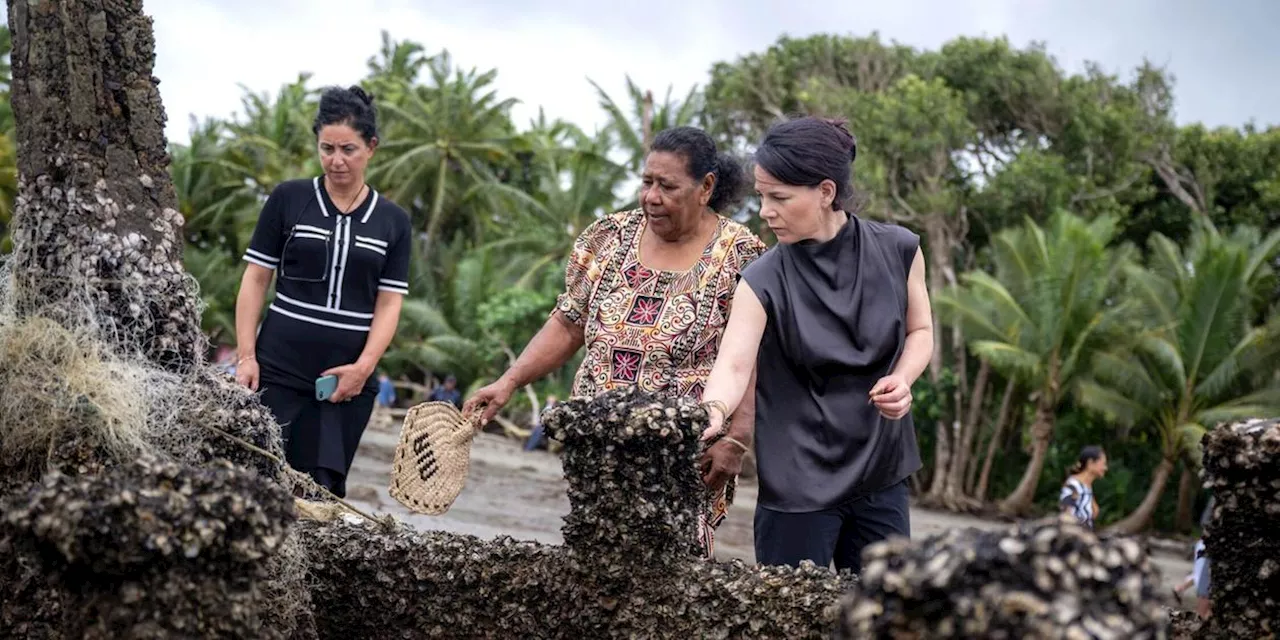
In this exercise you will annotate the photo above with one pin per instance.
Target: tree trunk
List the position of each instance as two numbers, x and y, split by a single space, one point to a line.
646 122
436 221
1019 502
1141 517
1185 520
939 242
963 452
96 231
1006 406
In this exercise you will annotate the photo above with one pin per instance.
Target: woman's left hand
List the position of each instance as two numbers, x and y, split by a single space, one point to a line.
715 423
351 379
892 396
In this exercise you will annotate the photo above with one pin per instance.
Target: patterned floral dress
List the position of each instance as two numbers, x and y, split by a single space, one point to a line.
653 328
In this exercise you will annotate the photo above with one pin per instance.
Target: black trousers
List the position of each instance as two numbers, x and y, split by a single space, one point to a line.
320 437
837 534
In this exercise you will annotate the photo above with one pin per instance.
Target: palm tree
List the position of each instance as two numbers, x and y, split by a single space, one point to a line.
225 172
636 126
1049 307
1197 362
569 183
442 139
219 276
396 68
223 175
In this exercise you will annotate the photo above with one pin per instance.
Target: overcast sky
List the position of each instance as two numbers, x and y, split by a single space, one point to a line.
1225 55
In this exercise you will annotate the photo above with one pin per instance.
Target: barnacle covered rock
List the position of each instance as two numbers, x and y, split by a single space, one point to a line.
1242 538
146 549
631 463
1183 624
369 582
1048 579
629 568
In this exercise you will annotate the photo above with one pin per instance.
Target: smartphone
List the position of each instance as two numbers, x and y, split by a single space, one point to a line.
325 386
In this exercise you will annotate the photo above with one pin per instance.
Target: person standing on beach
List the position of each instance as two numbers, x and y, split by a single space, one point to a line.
338 252
648 292
835 321
1076 498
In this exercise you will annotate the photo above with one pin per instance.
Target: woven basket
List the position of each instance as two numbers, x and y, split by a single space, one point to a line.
432 458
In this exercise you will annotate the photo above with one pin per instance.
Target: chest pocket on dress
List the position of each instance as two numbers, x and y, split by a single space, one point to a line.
306 255
370 252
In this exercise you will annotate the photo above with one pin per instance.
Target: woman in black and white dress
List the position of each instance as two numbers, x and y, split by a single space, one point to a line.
339 254
1076 498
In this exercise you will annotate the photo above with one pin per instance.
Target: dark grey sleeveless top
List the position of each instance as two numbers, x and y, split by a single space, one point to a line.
837 324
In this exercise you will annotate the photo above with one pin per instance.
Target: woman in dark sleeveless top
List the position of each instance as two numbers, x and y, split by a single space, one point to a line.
835 321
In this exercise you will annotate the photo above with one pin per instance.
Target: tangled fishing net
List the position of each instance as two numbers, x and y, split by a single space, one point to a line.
1049 579
80 406
1242 468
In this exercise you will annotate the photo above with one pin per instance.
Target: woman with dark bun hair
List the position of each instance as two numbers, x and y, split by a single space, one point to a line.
1076 498
835 323
648 293
338 252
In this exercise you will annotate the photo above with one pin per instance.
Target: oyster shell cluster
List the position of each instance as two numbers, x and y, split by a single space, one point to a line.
144 549
1047 579
631 464
82 260
629 567
1242 539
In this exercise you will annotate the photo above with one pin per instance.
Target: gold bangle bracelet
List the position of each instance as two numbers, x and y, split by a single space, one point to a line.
724 409
744 447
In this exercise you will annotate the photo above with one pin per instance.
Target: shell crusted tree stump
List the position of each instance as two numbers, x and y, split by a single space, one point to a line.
148 549
1242 539
104 361
97 235
628 568
96 220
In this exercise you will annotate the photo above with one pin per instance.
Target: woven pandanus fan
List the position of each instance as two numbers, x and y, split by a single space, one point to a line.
432 458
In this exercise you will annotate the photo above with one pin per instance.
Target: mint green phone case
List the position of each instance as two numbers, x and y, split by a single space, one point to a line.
325 387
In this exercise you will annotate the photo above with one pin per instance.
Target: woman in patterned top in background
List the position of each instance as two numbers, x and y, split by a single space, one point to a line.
1076 498
648 293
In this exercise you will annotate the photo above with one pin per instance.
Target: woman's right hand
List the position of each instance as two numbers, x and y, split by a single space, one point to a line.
492 397
247 374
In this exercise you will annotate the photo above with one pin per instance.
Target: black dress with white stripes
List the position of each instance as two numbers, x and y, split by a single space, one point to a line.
329 268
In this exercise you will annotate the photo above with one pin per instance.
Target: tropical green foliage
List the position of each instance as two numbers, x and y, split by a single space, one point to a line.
1083 291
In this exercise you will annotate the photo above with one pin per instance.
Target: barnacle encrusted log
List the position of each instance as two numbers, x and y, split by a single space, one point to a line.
1183 624
1047 579
145 550
96 221
1242 539
631 465
629 568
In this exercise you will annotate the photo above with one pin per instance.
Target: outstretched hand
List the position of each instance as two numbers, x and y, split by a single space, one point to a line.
492 398
715 426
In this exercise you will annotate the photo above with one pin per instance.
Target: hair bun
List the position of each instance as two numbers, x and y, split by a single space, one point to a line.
360 93
842 125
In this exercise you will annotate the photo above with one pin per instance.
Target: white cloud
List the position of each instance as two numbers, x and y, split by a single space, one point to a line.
545 49
204 53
